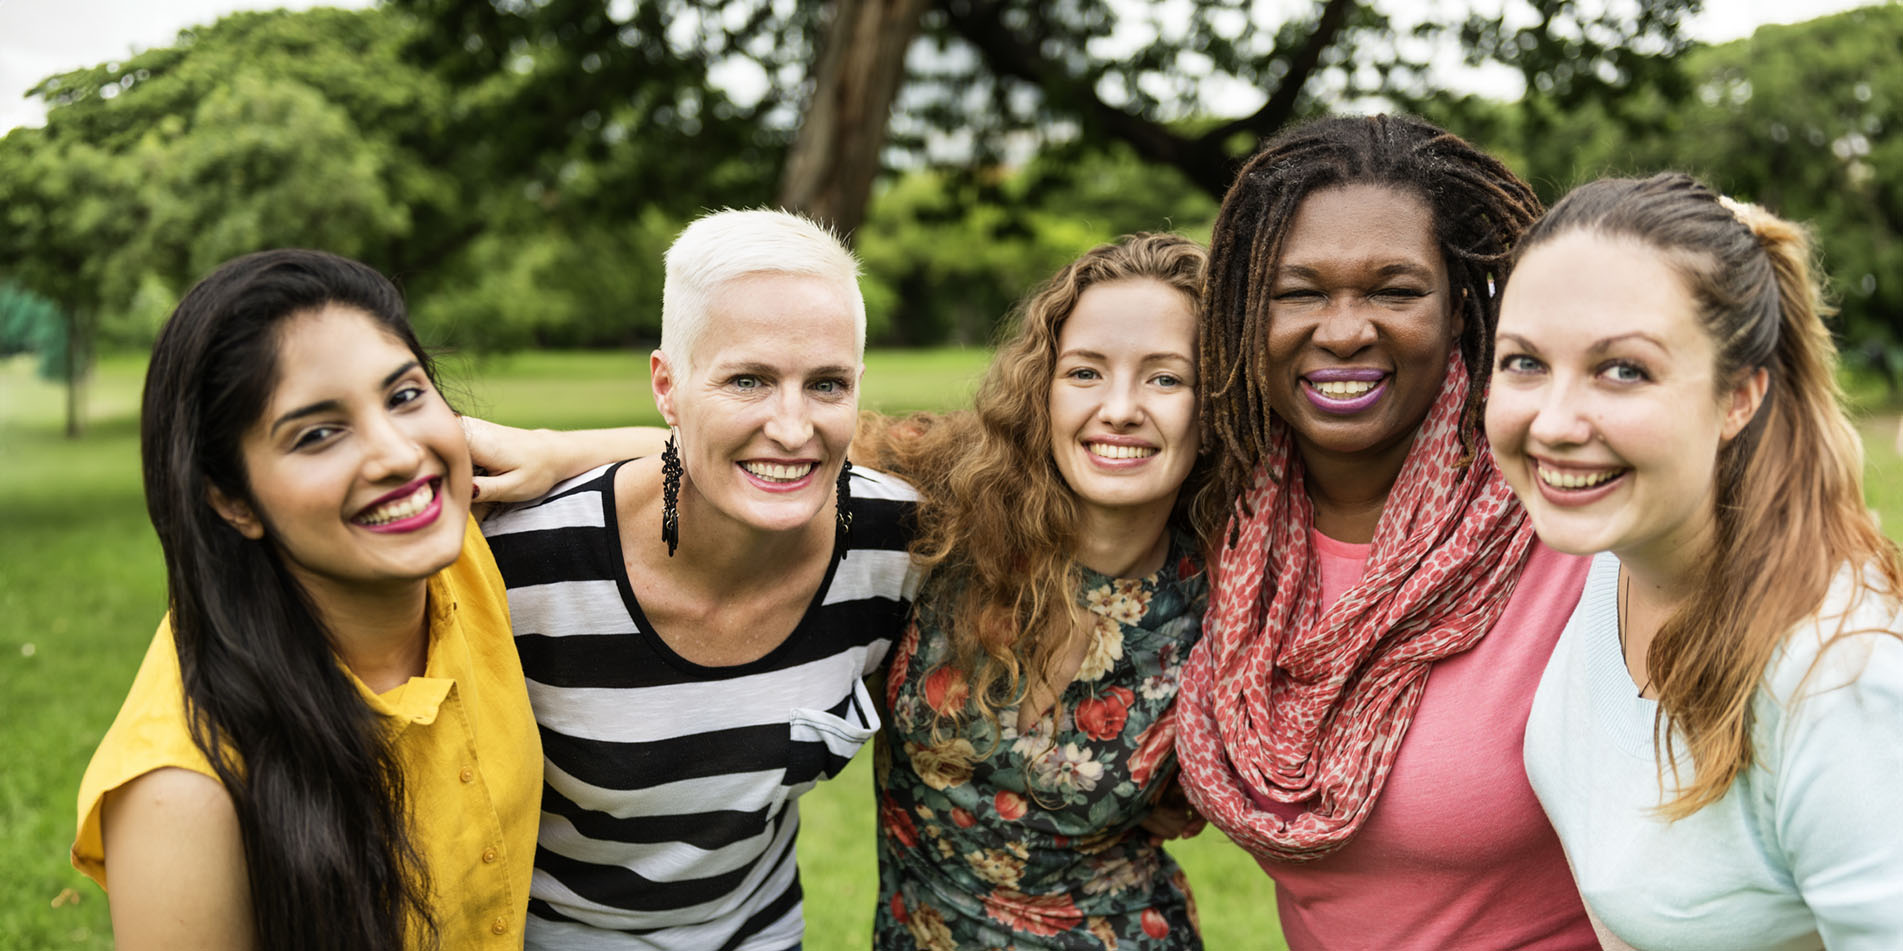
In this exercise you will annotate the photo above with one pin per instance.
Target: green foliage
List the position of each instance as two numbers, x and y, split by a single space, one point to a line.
1799 118
30 323
595 285
265 129
947 257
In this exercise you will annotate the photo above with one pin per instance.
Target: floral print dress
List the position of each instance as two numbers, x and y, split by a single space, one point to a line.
989 838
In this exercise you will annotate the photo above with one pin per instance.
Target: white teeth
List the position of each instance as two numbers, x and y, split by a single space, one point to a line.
401 508
1109 451
1576 480
779 471
1343 389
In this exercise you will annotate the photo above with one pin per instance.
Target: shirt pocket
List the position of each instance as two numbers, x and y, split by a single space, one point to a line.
821 742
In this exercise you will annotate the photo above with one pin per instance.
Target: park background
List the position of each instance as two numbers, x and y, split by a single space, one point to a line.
519 165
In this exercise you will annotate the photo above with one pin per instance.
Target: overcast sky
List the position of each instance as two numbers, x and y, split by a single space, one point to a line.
39 38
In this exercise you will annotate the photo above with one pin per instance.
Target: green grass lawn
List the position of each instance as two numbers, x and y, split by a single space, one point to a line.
81 587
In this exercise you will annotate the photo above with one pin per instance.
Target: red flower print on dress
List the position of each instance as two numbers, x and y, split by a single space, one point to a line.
1154 745
901 661
898 823
898 909
963 818
1102 717
945 690
1042 915
1010 805
1154 924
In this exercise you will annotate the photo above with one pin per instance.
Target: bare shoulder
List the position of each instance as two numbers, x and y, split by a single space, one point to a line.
175 866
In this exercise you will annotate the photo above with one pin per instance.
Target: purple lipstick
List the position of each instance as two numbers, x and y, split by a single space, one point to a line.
1344 405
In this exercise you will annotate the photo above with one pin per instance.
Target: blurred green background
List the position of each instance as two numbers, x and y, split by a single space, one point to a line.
520 166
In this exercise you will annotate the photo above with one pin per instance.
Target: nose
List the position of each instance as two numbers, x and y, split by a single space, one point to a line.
1345 329
1559 419
390 451
1122 405
791 424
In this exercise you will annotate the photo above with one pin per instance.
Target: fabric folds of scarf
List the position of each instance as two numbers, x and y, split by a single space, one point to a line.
1290 714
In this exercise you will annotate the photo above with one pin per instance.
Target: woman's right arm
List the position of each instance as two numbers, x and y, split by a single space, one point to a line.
523 464
175 865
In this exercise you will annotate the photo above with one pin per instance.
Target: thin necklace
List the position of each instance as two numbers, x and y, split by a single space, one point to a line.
1625 602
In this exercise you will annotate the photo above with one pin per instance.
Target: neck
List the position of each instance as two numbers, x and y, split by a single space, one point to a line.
380 632
717 553
1350 490
1658 578
1125 543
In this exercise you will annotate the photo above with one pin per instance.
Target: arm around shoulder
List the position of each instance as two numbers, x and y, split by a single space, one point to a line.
523 464
175 865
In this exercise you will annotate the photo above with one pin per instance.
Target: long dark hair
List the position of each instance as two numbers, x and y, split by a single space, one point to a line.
319 792
1480 209
1789 508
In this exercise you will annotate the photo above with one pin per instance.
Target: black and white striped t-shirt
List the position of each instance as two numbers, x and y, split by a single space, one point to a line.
669 798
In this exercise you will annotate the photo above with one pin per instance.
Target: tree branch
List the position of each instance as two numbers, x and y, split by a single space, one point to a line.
1203 159
1276 113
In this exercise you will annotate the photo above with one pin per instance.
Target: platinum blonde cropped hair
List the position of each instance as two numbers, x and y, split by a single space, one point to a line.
731 244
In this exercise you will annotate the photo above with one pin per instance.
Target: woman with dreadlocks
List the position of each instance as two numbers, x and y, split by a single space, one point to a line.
1353 715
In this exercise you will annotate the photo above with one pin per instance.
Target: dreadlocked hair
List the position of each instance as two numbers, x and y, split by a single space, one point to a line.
997 523
1480 209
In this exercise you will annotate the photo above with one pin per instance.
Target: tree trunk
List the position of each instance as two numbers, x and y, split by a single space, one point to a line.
834 159
77 341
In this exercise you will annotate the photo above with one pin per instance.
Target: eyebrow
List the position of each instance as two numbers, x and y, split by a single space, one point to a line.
1598 346
1403 268
762 369
1147 358
325 406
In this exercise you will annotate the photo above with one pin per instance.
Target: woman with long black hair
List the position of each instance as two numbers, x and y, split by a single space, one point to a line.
329 742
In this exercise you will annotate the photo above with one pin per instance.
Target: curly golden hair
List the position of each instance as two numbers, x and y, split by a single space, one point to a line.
997 522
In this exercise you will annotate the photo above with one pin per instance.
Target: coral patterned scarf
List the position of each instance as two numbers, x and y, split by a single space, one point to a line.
1285 701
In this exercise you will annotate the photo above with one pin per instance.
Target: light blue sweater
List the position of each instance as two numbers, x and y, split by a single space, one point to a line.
1806 848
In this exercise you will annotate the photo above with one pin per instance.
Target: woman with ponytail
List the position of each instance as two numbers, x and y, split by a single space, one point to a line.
328 744
1719 735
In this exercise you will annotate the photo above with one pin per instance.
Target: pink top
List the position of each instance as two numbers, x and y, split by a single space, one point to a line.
1457 852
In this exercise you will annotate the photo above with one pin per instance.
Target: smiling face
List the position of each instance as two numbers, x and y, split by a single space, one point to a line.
1123 399
1604 413
767 407
1361 319
357 469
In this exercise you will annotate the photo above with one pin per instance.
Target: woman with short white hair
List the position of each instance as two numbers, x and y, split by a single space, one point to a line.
696 626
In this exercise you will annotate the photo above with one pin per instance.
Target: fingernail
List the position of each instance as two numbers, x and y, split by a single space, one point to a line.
475 491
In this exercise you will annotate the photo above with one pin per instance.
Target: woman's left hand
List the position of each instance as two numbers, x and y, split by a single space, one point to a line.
1172 817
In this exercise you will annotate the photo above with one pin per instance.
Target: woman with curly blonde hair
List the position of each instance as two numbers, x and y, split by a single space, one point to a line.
1030 728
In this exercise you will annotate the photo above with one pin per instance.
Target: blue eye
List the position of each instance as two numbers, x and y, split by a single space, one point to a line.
1625 371
1083 373
832 387
1168 379
1518 363
745 382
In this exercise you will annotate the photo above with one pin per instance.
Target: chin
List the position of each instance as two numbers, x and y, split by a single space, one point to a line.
1566 535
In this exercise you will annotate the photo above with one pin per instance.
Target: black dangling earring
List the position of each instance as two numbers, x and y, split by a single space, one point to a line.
842 526
670 495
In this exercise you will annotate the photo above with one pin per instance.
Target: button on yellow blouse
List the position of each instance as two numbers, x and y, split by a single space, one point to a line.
463 731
